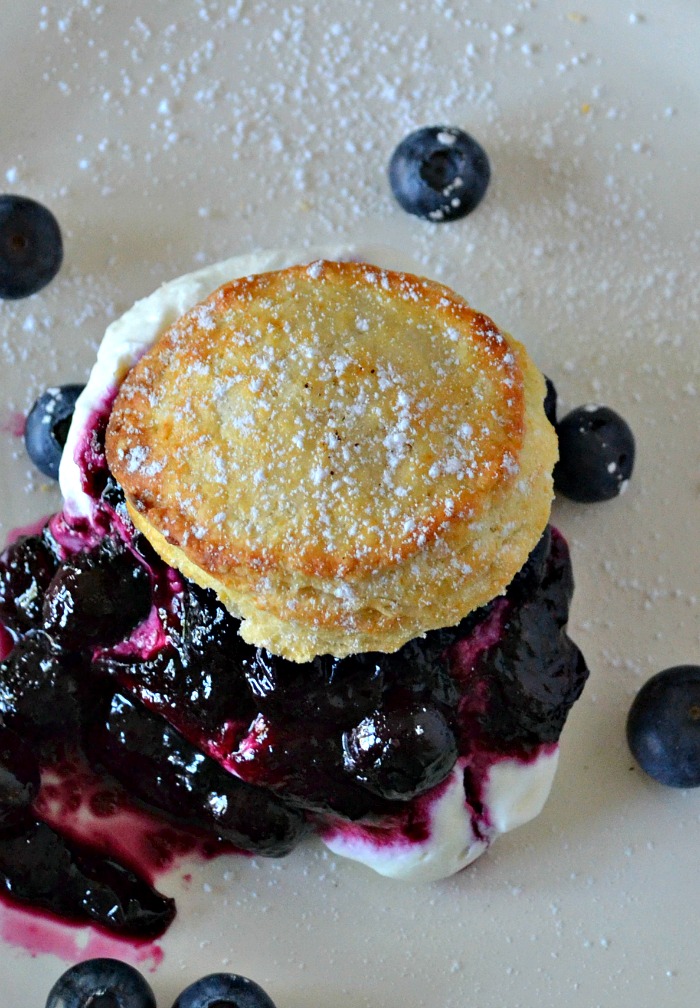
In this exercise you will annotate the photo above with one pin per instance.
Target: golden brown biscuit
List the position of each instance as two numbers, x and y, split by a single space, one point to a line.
348 456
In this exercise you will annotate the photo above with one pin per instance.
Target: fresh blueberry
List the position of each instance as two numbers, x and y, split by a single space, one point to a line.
439 172
31 248
47 426
399 754
550 402
596 454
223 990
101 983
663 726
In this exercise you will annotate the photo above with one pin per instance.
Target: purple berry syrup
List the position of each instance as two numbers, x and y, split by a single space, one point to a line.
158 732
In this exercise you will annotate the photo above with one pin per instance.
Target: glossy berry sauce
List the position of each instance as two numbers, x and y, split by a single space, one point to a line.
131 708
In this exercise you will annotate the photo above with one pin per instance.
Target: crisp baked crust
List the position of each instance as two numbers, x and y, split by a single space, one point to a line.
348 456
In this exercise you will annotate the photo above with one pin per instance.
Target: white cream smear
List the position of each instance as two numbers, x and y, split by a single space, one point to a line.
514 792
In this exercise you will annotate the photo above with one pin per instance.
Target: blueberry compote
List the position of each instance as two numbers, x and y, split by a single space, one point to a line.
124 670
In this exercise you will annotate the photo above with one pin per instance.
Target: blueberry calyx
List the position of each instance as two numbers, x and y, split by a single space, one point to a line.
31 247
223 990
663 726
596 454
46 429
439 173
101 983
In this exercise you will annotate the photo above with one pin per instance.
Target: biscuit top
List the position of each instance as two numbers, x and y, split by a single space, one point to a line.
334 418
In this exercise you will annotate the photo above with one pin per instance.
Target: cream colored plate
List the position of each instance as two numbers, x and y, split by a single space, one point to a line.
168 134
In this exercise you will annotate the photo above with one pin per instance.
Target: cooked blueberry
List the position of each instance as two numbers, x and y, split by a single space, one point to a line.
195 680
302 761
31 248
96 598
663 726
198 698
164 771
529 577
26 569
39 692
208 629
113 493
338 690
439 172
101 983
399 754
536 673
419 671
556 588
223 990
550 401
19 780
41 868
520 689
47 426
596 454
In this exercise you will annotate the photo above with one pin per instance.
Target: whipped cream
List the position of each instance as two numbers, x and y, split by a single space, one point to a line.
513 791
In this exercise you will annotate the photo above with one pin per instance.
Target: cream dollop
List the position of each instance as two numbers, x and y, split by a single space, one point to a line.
514 792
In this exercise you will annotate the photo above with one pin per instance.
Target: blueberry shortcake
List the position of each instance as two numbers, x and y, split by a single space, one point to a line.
303 580
347 456
358 465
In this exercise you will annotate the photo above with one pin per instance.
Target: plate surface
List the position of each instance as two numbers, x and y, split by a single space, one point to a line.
169 134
